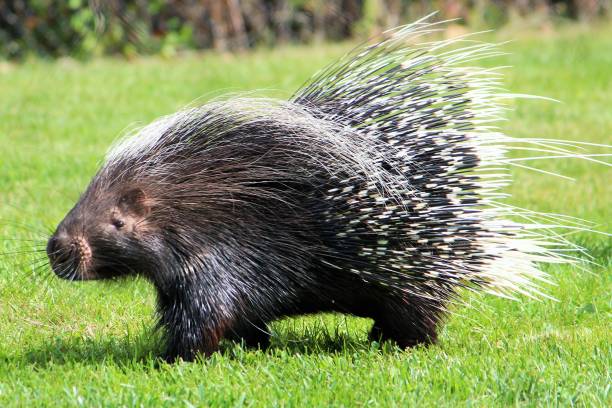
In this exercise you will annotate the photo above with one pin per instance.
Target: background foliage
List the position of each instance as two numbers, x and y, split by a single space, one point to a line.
83 28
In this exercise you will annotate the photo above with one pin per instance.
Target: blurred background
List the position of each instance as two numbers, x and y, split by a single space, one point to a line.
82 28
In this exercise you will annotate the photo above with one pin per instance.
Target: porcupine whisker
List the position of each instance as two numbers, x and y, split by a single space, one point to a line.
35 270
32 265
61 271
22 252
38 263
24 227
27 240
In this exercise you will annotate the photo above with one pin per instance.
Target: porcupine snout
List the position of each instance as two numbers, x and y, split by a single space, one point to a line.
67 253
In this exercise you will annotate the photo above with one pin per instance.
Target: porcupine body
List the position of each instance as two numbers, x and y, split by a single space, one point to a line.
373 191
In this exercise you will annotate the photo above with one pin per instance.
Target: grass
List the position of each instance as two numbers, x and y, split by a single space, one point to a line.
90 344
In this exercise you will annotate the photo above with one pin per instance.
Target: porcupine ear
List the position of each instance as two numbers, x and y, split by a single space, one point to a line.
134 201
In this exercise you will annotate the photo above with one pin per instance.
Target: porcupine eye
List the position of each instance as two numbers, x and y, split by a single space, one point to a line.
118 223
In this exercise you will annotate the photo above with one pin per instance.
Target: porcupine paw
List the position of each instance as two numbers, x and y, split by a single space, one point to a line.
405 337
177 349
253 335
174 354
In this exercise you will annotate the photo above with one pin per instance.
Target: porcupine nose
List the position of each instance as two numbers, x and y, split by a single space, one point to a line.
62 254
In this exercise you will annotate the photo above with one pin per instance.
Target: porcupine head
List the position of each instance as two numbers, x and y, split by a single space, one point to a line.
373 191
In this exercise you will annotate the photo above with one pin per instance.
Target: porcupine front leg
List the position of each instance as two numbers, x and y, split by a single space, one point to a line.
191 327
406 323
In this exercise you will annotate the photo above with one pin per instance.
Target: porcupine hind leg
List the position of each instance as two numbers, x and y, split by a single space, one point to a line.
406 323
254 334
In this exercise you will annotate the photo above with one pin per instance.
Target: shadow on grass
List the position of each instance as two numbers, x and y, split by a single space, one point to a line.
59 351
145 349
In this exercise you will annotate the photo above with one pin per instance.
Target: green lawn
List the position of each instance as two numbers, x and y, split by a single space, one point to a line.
91 343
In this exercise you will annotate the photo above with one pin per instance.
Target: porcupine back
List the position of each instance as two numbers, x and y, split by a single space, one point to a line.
439 224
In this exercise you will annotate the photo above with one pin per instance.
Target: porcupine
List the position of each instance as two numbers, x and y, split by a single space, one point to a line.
373 191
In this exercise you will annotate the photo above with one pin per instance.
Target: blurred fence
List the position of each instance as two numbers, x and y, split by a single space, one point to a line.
83 28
